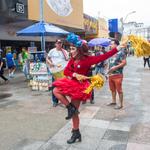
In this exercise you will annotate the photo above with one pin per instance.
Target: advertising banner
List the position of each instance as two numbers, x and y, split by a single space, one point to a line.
61 12
13 9
113 25
90 25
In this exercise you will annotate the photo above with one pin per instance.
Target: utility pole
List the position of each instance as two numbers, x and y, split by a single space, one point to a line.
122 20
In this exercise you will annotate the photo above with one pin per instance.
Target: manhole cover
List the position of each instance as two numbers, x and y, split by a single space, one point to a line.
5 95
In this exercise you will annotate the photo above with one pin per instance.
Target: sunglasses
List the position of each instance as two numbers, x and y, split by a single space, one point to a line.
58 42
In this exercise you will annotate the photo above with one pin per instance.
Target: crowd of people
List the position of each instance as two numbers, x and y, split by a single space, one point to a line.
12 60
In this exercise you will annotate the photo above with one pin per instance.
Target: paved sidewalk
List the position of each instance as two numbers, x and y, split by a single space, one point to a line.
29 122
104 128
95 134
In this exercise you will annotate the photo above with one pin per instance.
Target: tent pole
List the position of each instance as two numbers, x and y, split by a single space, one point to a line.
42 19
43 43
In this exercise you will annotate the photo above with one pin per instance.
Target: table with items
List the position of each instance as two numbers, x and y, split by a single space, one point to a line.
39 75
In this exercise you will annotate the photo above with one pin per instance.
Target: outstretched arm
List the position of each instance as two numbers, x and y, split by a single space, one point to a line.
96 59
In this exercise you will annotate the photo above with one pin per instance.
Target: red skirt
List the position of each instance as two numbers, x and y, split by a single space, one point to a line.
73 88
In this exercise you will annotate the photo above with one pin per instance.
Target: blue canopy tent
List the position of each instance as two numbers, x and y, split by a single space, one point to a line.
42 29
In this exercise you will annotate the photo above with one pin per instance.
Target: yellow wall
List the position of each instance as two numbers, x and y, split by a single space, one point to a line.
103 29
74 19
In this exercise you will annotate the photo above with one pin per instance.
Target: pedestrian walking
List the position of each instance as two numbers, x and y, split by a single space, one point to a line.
116 65
146 61
10 63
56 57
2 62
25 62
15 56
76 81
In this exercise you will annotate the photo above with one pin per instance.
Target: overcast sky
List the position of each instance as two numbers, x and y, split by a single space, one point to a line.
119 8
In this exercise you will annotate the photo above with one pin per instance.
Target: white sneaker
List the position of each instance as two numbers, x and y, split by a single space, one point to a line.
12 75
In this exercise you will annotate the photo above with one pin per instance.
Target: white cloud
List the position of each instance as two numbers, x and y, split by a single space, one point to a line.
118 8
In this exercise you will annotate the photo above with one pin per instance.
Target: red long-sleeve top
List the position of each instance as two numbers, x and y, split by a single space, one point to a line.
83 66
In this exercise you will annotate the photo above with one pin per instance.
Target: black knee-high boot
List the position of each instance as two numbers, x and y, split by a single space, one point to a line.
71 111
76 135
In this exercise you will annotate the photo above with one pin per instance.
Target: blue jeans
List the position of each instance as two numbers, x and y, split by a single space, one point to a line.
26 69
54 99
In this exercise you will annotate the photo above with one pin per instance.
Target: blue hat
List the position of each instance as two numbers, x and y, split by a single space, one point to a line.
74 39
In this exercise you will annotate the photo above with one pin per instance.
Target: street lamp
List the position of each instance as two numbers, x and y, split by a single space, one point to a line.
122 20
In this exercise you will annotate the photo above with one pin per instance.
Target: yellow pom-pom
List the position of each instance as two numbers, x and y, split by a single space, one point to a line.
141 46
96 81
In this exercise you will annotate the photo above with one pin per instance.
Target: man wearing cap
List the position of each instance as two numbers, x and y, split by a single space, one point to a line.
57 56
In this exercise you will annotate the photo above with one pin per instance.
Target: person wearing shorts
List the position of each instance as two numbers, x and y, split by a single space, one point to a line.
10 63
116 65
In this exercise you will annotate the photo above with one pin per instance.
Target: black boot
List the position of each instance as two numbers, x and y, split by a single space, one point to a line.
92 101
76 135
71 111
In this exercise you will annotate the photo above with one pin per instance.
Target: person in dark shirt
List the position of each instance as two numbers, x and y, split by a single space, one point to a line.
146 60
2 69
